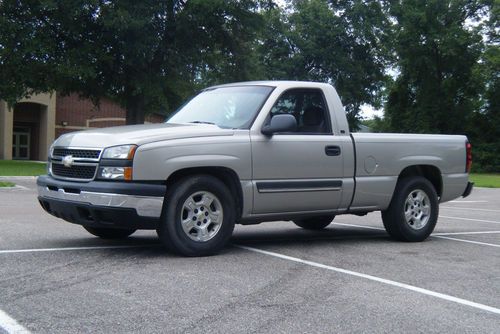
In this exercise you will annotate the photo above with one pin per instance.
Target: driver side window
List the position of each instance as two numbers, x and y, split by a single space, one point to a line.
309 109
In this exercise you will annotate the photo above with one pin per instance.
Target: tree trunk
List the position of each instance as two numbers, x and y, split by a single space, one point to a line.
135 111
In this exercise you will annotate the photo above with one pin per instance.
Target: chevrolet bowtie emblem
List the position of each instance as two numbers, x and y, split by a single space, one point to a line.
68 161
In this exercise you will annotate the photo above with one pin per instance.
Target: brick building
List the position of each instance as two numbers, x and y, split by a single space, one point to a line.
29 127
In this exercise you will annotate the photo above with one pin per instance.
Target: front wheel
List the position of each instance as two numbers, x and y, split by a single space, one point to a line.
109 233
198 216
314 223
413 212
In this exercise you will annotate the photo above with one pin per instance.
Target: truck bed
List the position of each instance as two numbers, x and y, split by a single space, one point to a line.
381 157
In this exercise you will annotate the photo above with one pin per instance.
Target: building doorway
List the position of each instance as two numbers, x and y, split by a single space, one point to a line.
26 131
21 138
27 127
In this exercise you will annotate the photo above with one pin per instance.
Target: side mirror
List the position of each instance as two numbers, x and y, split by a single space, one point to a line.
280 123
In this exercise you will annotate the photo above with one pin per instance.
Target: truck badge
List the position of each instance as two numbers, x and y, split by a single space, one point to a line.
68 161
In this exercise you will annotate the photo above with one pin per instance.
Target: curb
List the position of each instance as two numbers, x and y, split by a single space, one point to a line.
18 177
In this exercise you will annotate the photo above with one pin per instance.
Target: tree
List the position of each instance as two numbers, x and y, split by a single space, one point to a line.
437 90
342 42
27 51
485 132
376 124
147 55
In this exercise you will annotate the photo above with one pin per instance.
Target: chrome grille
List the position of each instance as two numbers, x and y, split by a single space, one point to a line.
74 163
76 153
80 172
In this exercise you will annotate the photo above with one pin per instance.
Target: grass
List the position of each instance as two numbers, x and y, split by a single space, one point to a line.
22 168
485 180
6 184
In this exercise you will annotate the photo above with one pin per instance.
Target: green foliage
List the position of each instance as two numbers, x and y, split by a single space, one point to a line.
437 90
27 50
377 124
146 55
341 42
486 157
448 59
485 131
149 56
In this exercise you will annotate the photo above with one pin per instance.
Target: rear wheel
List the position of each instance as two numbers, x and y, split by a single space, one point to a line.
314 223
412 214
109 233
198 216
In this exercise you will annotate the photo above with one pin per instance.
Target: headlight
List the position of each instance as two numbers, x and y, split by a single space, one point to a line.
120 152
116 163
115 173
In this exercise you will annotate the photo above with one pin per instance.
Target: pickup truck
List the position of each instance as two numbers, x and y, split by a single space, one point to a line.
246 153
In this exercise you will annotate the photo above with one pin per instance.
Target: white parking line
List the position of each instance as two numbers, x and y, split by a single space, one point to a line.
10 325
377 279
465 233
469 241
34 250
462 208
437 235
471 219
468 202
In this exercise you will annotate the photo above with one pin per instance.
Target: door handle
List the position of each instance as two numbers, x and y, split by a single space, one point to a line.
332 150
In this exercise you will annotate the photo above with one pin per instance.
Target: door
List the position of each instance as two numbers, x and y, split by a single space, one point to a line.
21 144
301 170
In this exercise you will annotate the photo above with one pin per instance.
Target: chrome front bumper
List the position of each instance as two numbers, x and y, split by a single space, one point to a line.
146 206
142 199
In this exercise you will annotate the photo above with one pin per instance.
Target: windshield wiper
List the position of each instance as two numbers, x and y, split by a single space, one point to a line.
203 122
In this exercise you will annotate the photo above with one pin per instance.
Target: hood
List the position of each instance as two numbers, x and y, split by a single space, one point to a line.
138 134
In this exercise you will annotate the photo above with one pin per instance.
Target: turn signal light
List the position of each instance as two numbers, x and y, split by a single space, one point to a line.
127 174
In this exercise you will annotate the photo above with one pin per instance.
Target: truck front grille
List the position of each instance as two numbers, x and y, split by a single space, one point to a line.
76 153
74 163
77 172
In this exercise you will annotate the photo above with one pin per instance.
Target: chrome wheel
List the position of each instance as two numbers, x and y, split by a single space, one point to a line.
201 216
417 209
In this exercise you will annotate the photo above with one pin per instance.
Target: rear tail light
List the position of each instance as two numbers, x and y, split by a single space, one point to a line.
468 162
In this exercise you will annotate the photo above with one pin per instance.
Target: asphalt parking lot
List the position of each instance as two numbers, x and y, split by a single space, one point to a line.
274 278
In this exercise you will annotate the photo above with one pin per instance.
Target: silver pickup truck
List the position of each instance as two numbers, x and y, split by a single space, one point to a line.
247 153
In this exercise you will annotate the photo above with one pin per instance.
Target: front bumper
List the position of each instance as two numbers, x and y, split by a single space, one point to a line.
101 203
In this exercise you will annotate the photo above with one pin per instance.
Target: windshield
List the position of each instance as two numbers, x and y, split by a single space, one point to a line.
226 107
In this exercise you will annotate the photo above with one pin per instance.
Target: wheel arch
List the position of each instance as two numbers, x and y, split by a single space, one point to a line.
430 172
226 175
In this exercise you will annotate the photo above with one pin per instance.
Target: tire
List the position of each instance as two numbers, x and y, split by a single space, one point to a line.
413 212
198 216
314 223
109 233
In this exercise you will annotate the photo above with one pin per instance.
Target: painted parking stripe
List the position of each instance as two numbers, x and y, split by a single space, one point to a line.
468 202
471 219
10 325
462 208
437 235
465 233
35 250
377 279
433 234
469 241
